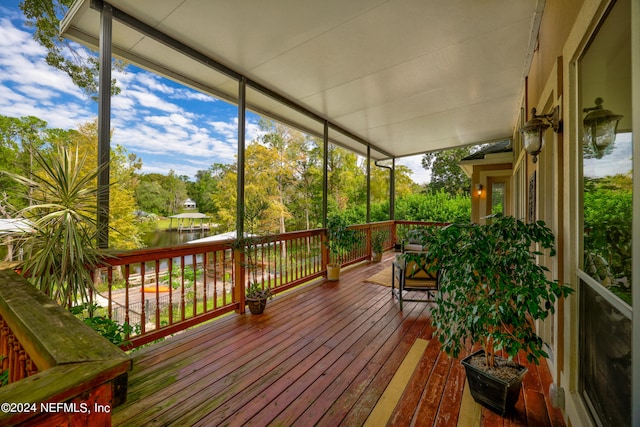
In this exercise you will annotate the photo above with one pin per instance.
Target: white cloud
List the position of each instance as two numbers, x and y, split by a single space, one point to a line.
420 174
167 125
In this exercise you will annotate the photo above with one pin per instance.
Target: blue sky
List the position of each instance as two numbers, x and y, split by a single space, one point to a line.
169 126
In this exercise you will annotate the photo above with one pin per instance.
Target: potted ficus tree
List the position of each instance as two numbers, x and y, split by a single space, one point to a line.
340 240
492 290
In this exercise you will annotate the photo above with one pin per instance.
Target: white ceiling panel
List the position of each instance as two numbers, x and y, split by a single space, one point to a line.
404 76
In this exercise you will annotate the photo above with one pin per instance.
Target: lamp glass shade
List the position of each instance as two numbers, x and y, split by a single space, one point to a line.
600 133
533 136
600 128
533 141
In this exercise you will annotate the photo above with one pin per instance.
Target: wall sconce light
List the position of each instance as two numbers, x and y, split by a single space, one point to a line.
600 127
533 130
479 188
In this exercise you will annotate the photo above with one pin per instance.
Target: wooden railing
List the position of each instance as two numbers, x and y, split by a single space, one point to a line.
61 372
162 291
15 363
66 372
166 290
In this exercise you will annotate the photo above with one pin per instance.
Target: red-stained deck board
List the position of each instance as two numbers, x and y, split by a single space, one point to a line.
256 366
294 378
345 374
330 367
416 325
415 390
432 395
449 409
319 356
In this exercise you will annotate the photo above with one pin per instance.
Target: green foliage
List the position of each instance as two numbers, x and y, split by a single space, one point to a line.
151 197
108 328
439 207
161 194
257 292
340 238
81 65
18 138
61 251
446 174
378 238
202 189
492 290
4 375
608 213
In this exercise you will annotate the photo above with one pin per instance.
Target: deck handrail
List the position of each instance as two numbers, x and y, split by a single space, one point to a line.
156 294
74 374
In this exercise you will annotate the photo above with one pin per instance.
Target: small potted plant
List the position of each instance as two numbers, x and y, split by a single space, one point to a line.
378 237
492 291
340 239
256 297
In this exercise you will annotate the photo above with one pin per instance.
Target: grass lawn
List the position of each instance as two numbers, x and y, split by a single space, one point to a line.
163 224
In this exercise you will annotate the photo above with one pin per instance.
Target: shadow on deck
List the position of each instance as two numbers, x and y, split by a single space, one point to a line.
323 355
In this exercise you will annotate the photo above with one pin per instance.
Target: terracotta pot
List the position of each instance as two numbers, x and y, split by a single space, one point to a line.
377 257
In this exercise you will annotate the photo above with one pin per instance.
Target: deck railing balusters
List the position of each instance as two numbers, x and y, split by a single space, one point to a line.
182 295
127 318
157 292
282 261
170 285
143 317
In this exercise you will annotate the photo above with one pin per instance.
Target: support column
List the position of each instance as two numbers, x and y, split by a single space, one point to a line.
325 174
368 218
242 116
392 190
240 277
104 125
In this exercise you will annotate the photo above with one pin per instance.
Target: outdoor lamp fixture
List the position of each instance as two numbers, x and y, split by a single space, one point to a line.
600 127
533 130
479 188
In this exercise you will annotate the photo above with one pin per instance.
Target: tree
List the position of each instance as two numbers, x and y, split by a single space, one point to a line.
18 138
226 196
346 179
307 194
161 194
445 173
123 169
151 197
177 190
60 251
79 63
202 189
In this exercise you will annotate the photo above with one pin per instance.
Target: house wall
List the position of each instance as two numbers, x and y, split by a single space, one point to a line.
481 175
565 30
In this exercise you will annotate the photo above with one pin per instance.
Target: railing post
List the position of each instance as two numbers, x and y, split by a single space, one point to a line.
394 232
325 252
239 279
369 252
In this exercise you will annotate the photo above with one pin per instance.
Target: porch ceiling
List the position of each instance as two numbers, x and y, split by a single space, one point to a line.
406 76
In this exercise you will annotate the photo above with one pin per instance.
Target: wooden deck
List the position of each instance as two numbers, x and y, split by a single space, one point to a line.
327 355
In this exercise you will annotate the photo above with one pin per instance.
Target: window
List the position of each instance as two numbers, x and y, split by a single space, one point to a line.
605 272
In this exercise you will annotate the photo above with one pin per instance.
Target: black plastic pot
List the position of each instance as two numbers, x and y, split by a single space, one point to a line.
256 306
492 392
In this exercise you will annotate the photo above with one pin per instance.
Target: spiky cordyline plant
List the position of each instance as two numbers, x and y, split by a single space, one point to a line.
61 252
